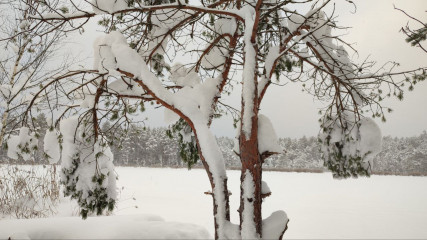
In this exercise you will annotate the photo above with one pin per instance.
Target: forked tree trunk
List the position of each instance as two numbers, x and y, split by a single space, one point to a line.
251 174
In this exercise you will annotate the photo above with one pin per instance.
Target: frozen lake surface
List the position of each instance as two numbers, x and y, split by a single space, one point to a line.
318 205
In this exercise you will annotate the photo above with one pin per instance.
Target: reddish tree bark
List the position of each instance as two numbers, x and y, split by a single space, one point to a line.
251 159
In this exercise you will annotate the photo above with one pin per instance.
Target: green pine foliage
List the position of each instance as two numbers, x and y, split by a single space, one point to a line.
417 36
97 199
345 166
187 142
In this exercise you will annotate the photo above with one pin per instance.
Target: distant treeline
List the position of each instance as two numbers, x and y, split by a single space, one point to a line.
151 147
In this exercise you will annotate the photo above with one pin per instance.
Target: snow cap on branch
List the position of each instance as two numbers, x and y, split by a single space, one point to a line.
267 137
182 76
274 226
51 145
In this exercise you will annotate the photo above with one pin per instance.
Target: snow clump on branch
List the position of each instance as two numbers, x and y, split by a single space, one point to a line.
22 145
52 141
87 168
108 6
267 137
348 152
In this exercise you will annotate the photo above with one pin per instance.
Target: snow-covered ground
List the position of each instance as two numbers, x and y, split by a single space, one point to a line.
317 205
112 227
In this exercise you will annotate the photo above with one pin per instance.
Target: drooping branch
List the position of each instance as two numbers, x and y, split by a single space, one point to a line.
214 176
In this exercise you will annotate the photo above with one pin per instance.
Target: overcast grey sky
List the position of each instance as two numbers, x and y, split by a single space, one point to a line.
375 33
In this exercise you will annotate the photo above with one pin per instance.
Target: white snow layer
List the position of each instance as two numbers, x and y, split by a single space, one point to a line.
112 51
51 146
182 76
273 54
249 68
274 225
108 6
265 188
267 137
111 227
194 99
215 160
236 141
318 203
248 224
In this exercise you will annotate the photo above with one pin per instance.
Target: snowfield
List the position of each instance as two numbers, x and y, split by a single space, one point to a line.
318 207
111 227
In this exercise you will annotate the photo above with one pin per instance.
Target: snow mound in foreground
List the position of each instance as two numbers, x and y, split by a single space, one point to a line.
111 227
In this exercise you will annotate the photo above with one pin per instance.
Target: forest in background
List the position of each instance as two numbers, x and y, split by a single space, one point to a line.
152 147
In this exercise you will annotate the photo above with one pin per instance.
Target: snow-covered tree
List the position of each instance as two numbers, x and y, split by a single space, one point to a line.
136 61
26 49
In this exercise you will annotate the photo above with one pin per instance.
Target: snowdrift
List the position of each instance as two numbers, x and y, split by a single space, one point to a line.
105 227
